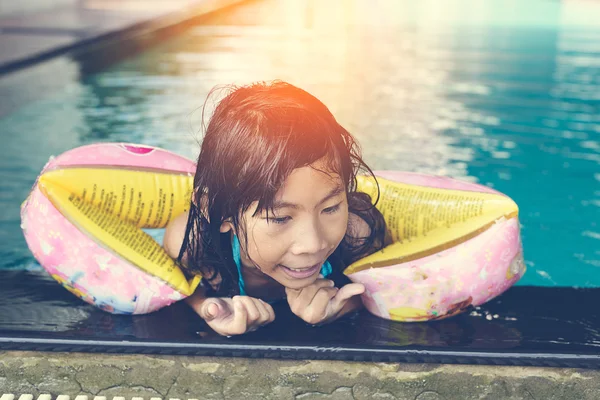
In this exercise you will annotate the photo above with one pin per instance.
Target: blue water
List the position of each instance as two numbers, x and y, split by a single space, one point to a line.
504 93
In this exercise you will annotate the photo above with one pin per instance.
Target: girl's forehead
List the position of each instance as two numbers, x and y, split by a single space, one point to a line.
305 186
310 181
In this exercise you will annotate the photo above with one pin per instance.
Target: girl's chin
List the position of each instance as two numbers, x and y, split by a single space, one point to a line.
295 285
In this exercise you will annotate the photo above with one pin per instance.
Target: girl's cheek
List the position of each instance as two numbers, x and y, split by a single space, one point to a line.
342 224
270 248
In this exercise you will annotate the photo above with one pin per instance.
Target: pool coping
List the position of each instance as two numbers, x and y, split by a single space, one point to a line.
87 28
527 326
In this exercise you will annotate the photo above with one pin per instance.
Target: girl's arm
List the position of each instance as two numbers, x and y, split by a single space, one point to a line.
174 234
172 243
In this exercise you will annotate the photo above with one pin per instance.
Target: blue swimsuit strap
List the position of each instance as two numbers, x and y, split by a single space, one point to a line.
326 269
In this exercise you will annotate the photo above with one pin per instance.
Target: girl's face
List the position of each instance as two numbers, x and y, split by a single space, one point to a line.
309 220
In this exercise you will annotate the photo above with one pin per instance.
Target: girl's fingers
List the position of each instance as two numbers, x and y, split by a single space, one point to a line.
257 313
214 308
237 315
344 294
350 290
306 294
319 283
317 310
266 312
322 299
239 324
325 303
271 313
251 304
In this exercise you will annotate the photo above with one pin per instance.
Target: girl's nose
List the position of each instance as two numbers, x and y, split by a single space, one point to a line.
309 241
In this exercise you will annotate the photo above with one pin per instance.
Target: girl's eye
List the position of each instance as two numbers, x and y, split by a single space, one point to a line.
332 209
279 220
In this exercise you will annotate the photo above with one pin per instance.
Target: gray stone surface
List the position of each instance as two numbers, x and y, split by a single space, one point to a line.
29 36
239 378
8 7
15 46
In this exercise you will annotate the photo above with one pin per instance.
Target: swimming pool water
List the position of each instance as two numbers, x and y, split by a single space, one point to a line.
502 93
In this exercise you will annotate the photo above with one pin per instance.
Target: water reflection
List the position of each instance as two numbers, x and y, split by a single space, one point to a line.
505 95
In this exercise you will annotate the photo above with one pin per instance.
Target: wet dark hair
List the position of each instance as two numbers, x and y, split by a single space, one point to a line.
257 135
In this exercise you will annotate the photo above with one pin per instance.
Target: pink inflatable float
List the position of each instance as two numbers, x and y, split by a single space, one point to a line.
455 244
83 219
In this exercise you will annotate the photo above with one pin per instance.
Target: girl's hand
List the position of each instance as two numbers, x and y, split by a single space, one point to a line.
235 316
322 302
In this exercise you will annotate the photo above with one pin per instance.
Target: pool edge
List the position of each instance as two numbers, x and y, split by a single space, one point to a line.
140 26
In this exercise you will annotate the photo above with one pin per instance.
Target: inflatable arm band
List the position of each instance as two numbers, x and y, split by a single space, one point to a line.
83 220
454 245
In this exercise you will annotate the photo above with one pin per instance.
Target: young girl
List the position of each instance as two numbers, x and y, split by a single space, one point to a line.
275 213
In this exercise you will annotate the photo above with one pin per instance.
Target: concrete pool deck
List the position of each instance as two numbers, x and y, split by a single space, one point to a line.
186 377
32 37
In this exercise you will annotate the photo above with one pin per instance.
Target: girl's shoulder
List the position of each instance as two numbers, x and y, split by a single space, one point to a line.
174 235
175 245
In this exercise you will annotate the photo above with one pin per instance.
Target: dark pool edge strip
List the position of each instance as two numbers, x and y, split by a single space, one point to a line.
338 353
138 28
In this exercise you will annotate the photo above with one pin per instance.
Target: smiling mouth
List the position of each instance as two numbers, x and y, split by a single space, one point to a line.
300 273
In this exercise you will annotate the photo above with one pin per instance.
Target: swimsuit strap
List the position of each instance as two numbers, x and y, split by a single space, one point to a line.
235 249
326 269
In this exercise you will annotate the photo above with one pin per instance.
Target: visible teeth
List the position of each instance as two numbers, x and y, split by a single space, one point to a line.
299 269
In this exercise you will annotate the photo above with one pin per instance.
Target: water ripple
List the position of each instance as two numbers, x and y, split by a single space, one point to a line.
508 99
